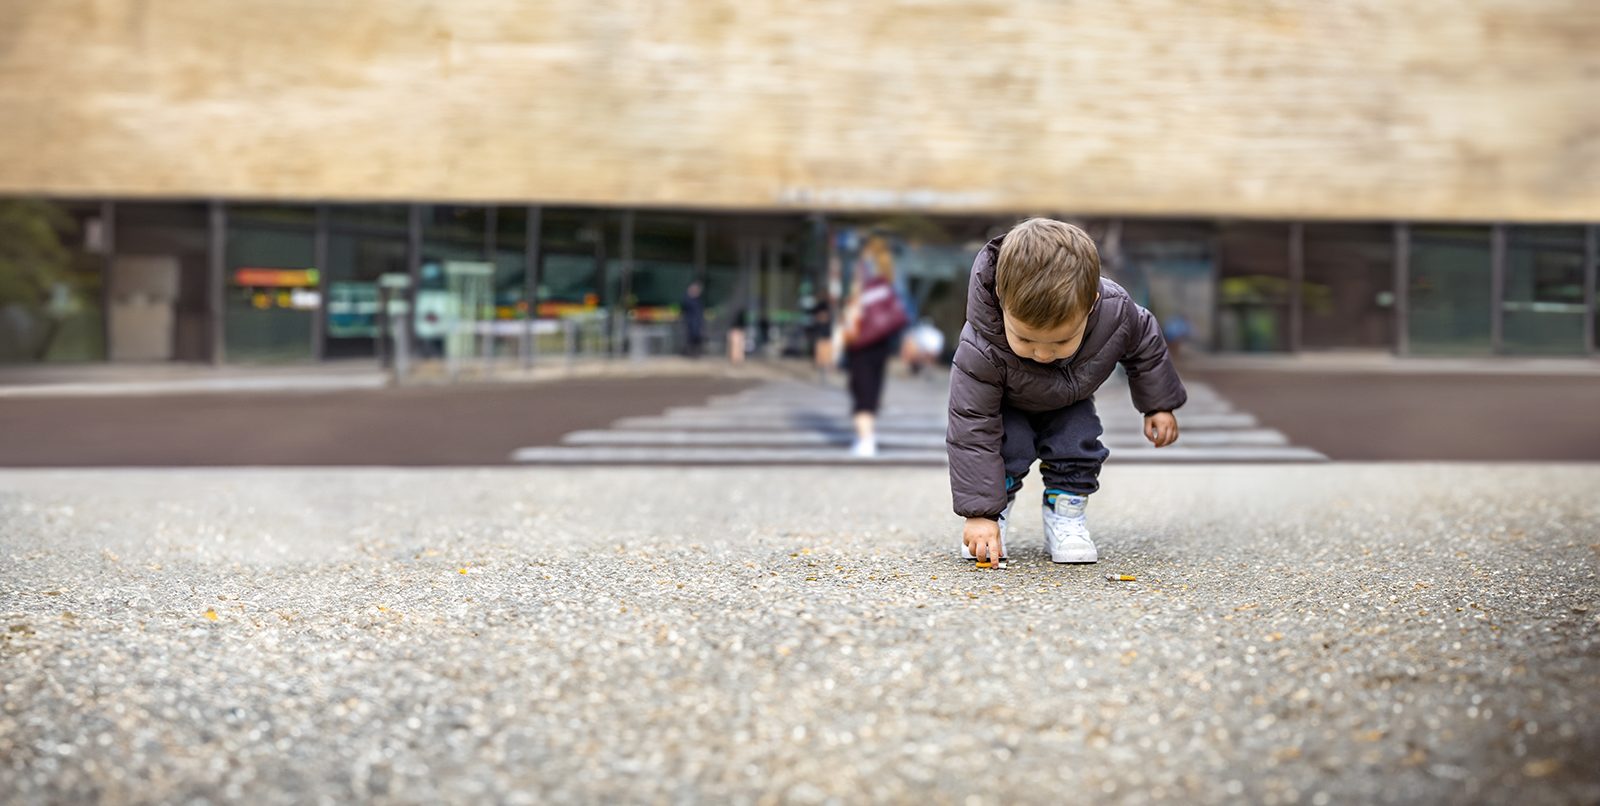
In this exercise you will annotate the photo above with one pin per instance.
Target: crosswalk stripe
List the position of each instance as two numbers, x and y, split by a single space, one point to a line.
633 455
737 421
801 424
933 441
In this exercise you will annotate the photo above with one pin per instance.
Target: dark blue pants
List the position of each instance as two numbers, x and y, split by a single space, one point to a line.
1065 441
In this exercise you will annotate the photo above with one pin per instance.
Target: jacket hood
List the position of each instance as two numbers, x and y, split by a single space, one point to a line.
983 306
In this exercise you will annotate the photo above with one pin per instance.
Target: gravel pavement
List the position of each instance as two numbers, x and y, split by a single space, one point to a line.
1310 634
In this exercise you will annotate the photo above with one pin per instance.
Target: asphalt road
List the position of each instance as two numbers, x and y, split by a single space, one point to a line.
1347 416
422 425
1296 634
1435 417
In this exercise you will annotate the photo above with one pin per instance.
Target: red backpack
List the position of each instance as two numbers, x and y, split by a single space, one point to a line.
882 315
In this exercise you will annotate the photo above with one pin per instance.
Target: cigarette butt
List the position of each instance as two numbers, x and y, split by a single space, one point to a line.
1121 578
985 564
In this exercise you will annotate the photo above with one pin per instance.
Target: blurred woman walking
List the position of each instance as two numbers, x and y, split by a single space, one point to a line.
874 317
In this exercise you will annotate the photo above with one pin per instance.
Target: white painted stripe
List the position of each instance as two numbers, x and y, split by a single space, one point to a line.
893 410
701 419
928 440
750 456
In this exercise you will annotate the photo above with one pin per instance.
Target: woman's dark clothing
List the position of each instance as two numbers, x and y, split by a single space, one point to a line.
867 366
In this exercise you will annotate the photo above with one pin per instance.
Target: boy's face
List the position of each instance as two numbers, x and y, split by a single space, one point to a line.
1045 345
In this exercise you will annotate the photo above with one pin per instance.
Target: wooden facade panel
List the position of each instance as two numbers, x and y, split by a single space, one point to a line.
1483 109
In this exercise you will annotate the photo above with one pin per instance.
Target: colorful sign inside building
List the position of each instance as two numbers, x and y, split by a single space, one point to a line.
275 278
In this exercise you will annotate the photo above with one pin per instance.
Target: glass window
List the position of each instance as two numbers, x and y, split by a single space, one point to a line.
1450 289
722 271
569 280
454 246
1254 287
663 263
1167 267
510 256
51 265
273 296
273 215
1347 299
450 234
359 254
386 217
1544 304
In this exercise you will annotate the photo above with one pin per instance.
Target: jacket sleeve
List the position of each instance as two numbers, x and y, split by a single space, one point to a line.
1151 376
977 473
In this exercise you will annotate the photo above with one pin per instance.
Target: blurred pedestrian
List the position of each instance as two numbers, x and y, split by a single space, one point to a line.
874 316
736 336
693 314
922 346
1176 333
820 330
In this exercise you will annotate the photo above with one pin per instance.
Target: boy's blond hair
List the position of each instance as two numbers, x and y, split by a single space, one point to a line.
1048 273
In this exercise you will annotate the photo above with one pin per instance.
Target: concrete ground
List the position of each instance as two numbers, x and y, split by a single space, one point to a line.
1296 634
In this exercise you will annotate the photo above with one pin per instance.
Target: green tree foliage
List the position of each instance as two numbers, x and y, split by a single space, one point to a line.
32 258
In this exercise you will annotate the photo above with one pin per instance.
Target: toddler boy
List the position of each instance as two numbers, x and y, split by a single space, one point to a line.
1044 331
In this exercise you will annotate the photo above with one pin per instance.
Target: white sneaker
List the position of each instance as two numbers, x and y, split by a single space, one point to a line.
864 448
1066 530
1005 519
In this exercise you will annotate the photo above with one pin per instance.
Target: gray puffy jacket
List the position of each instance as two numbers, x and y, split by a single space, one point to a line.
987 374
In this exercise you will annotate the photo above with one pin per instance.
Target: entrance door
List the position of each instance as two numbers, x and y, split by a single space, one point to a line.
144 296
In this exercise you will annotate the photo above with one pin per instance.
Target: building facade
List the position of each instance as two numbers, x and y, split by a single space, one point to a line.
232 181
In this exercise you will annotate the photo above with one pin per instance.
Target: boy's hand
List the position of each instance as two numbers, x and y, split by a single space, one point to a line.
1161 428
982 537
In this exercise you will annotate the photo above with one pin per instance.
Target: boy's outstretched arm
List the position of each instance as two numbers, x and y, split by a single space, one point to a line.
974 433
1153 380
